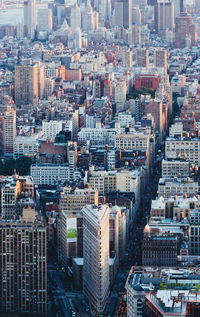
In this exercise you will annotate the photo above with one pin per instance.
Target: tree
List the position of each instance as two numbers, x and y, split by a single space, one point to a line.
21 165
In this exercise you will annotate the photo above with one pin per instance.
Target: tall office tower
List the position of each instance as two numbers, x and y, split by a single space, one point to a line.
72 158
136 18
9 131
78 38
177 8
75 17
88 18
127 57
26 84
123 13
160 59
23 260
142 57
183 5
164 17
134 35
96 255
185 31
41 79
102 7
44 20
29 18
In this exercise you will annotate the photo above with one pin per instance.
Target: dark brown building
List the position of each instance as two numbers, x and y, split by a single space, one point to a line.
159 250
185 29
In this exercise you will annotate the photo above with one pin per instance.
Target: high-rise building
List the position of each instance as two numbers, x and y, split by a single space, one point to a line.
88 18
160 59
78 38
185 31
134 35
44 20
179 7
136 15
72 158
26 84
142 57
123 13
29 18
23 260
164 17
9 131
75 18
96 255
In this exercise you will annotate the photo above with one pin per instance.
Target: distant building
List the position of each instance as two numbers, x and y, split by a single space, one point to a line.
44 20
142 57
123 13
26 84
51 128
164 17
185 31
160 59
9 131
149 81
29 18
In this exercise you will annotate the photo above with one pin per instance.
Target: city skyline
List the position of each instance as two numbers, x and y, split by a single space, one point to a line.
99 158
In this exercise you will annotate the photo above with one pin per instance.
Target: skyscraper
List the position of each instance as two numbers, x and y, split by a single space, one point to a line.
75 18
160 59
26 84
9 130
29 18
88 18
44 20
164 17
96 255
23 261
123 13
142 57
179 7
185 31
